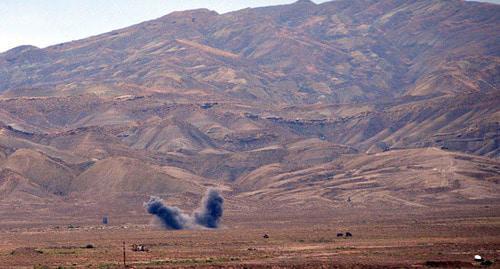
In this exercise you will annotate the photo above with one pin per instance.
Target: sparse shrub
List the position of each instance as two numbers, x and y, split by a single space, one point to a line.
106 266
89 246
448 264
486 263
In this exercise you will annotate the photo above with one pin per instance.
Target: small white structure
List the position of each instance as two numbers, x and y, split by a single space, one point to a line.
478 258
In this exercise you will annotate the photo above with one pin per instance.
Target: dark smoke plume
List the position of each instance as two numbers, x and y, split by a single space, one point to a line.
211 211
208 215
171 217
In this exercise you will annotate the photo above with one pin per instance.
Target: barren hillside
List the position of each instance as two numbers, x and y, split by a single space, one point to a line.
346 103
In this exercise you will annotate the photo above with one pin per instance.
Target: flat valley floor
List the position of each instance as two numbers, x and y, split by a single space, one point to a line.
444 237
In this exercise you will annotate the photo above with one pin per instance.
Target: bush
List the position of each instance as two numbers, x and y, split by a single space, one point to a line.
486 263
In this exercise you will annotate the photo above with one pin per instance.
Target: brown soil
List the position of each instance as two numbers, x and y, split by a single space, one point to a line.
389 238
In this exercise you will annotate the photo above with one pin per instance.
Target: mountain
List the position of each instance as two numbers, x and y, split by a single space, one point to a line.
387 103
340 51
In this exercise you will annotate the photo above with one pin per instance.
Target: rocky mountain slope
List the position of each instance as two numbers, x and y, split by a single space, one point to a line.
339 51
345 103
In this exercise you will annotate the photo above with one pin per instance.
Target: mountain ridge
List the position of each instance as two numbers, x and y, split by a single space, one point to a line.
240 79
390 103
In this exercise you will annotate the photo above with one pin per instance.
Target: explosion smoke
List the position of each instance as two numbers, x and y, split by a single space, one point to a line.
208 215
171 217
211 211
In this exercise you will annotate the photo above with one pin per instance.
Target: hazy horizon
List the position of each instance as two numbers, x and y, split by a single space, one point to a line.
33 22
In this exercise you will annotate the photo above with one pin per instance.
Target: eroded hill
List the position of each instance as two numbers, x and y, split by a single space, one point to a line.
347 103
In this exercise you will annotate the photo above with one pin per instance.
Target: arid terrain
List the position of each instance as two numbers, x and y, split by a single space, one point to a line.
381 118
422 238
